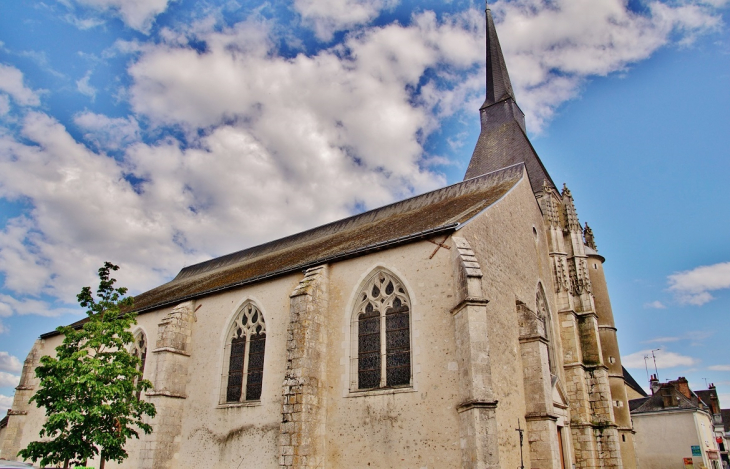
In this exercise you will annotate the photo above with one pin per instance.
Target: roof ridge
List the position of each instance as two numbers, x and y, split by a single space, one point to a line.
469 183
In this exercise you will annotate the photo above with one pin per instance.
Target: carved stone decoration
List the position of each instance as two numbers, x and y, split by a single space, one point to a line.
551 208
575 283
589 238
380 292
562 281
571 216
248 322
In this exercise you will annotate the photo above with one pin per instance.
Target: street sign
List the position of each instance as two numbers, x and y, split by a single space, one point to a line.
696 451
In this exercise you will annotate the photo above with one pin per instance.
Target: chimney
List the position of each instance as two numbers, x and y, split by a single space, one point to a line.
683 387
654 384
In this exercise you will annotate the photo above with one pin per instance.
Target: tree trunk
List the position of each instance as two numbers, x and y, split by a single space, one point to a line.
101 465
65 464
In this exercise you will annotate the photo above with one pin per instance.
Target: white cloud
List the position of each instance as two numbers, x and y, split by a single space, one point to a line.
9 363
655 305
719 367
664 359
83 23
10 305
694 286
552 47
4 104
6 402
11 82
695 338
84 87
8 380
329 16
108 133
3 329
137 14
660 340
274 144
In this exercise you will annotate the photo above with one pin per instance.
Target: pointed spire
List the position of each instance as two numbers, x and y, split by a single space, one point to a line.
503 141
571 216
499 86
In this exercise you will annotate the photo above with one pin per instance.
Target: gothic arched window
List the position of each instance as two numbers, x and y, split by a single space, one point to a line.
382 360
245 345
543 312
139 350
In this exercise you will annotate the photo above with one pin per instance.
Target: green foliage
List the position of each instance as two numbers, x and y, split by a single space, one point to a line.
89 389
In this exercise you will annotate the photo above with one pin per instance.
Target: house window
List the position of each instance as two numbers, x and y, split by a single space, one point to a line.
246 342
139 350
382 334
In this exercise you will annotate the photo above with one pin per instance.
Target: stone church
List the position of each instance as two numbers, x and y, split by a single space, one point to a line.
466 327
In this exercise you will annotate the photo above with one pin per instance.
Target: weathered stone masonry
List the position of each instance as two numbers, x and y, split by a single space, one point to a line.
23 392
161 449
477 411
302 436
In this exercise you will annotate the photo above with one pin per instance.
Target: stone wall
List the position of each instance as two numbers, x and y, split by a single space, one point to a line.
302 436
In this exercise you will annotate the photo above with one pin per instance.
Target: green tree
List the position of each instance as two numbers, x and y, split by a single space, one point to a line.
89 390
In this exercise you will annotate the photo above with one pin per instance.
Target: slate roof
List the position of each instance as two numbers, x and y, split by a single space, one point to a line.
707 397
419 217
725 419
438 212
503 141
655 403
499 86
629 380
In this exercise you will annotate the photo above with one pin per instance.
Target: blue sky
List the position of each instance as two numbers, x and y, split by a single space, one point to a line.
158 134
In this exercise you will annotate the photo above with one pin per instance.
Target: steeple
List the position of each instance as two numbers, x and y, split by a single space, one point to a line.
499 87
503 141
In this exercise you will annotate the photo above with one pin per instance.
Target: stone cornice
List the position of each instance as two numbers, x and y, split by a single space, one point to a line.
469 302
469 405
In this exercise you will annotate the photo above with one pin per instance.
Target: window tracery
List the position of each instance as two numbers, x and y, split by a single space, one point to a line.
382 360
246 343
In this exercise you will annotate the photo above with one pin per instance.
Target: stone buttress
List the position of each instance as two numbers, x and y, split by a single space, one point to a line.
541 422
17 414
477 410
594 430
161 448
302 438
610 350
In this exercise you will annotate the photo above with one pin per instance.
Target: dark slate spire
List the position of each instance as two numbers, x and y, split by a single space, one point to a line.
499 87
503 141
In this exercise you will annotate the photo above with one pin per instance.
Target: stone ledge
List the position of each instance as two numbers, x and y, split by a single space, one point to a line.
166 394
24 388
532 416
469 301
380 392
533 338
171 350
232 405
469 405
17 412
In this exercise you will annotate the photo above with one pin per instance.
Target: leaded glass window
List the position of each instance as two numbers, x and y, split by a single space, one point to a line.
246 346
382 359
